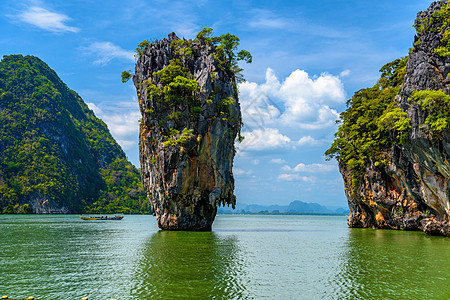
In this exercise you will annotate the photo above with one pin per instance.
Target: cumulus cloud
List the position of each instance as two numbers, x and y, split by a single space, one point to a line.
307 99
297 177
258 104
299 101
289 177
263 18
278 161
344 73
310 141
47 20
310 168
263 139
310 179
97 110
107 51
239 172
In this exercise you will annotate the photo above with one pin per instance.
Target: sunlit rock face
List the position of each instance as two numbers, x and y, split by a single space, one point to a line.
412 192
186 142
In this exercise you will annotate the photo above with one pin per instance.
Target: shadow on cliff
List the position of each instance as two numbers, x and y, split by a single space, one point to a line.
189 265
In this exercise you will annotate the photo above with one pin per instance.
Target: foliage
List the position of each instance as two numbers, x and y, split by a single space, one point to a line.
126 75
182 47
240 138
173 70
170 90
395 119
366 126
206 35
224 107
392 73
175 138
124 193
141 47
52 146
176 85
441 19
226 55
437 104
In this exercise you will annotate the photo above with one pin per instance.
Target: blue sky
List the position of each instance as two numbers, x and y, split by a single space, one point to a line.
309 57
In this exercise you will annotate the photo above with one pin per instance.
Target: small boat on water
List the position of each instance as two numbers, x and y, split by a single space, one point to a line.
116 218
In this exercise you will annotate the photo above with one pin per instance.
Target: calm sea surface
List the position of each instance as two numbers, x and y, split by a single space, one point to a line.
244 257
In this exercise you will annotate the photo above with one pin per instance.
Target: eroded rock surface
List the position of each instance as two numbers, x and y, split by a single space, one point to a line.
186 143
412 191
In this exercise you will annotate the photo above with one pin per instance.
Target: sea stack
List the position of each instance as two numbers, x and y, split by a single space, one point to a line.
409 189
191 117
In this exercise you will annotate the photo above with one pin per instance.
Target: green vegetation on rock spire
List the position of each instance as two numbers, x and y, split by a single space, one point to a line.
187 92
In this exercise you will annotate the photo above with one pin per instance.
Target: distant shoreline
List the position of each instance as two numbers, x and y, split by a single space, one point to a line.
284 213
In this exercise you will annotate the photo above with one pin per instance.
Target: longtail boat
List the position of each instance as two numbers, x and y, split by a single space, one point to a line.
101 218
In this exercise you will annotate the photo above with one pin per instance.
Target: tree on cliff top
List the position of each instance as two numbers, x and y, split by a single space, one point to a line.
366 127
228 45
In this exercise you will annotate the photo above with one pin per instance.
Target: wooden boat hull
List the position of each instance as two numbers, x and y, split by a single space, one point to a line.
115 218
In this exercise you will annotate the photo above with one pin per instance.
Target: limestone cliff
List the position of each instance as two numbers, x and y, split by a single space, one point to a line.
411 191
56 156
190 118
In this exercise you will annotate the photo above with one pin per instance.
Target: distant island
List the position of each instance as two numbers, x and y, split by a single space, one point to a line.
295 207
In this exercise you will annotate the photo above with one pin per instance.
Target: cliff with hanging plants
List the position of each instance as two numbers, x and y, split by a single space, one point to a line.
393 143
56 155
187 91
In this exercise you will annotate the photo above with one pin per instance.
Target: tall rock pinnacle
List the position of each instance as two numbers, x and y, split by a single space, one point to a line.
190 119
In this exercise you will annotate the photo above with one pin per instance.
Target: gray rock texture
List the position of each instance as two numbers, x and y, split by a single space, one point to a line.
412 192
187 181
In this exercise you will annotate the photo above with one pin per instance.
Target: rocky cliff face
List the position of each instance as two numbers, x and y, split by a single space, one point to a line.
190 119
56 156
412 191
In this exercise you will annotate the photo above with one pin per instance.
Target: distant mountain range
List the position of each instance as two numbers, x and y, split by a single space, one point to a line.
295 207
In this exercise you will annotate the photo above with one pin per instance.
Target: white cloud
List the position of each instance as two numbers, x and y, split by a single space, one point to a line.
122 123
310 179
278 161
262 18
97 111
239 171
307 100
289 177
309 141
257 101
46 20
310 168
299 101
263 139
323 89
297 177
126 145
344 73
107 51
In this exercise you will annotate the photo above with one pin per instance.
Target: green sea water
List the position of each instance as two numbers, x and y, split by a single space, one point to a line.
244 257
